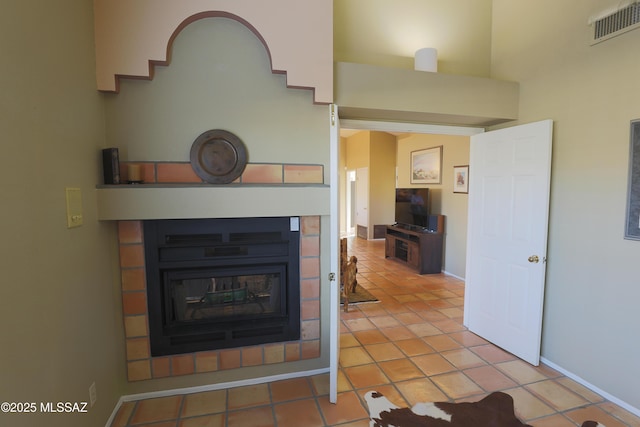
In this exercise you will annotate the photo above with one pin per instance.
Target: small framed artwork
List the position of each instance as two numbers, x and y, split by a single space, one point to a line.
426 166
632 220
461 179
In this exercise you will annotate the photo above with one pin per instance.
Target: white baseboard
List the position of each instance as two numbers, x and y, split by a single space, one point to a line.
211 387
579 380
452 275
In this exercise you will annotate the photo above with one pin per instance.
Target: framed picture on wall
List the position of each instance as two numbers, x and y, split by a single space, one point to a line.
632 220
461 179
426 166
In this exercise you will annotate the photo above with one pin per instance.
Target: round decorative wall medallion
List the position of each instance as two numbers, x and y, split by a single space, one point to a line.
218 156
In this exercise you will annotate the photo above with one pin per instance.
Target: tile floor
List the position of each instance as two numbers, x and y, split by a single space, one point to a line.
411 346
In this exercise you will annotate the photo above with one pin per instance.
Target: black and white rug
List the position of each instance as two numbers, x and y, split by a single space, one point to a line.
495 410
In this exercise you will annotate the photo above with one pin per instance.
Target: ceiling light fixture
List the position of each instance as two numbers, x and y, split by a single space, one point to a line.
426 59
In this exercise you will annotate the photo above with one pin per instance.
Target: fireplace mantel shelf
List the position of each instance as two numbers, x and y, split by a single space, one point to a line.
167 201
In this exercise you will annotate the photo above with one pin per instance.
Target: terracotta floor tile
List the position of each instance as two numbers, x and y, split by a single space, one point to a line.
372 309
554 421
354 356
591 396
158 409
320 384
462 358
348 340
373 336
443 293
123 415
456 385
296 388
449 325
594 413
384 321
359 324
248 396
432 315
366 376
384 351
433 364
348 408
343 382
492 354
409 318
442 342
217 420
620 413
298 413
398 333
556 396
406 298
527 405
521 372
400 370
257 417
424 329
489 378
209 402
453 312
419 306
426 296
469 339
161 424
440 304
414 347
420 390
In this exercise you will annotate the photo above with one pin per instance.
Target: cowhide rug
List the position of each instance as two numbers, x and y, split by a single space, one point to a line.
495 410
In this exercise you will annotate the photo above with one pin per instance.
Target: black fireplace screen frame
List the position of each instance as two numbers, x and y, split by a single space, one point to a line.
220 247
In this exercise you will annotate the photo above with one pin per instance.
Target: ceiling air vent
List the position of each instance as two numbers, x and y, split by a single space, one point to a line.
613 24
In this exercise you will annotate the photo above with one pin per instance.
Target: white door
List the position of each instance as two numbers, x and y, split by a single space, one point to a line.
509 178
362 198
334 232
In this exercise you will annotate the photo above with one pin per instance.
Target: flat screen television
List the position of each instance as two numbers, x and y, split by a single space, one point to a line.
412 207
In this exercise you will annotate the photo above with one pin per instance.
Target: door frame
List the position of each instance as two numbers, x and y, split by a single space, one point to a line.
335 125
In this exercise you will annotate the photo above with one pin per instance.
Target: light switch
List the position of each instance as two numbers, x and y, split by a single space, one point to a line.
74 207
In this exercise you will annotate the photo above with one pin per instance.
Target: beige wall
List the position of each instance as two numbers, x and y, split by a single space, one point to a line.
375 151
382 182
358 150
342 188
379 32
299 37
591 93
357 154
58 307
455 152
212 83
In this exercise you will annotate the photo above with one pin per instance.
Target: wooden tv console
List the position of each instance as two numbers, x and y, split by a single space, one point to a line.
421 250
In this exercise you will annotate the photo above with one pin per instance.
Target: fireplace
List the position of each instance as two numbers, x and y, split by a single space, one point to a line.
221 283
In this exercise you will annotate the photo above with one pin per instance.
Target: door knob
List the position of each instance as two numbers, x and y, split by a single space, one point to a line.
534 258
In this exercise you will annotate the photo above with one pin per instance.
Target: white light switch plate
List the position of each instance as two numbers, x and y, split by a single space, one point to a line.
74 207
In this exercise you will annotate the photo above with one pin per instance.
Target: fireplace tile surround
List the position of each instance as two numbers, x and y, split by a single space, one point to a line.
140 364
254 173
